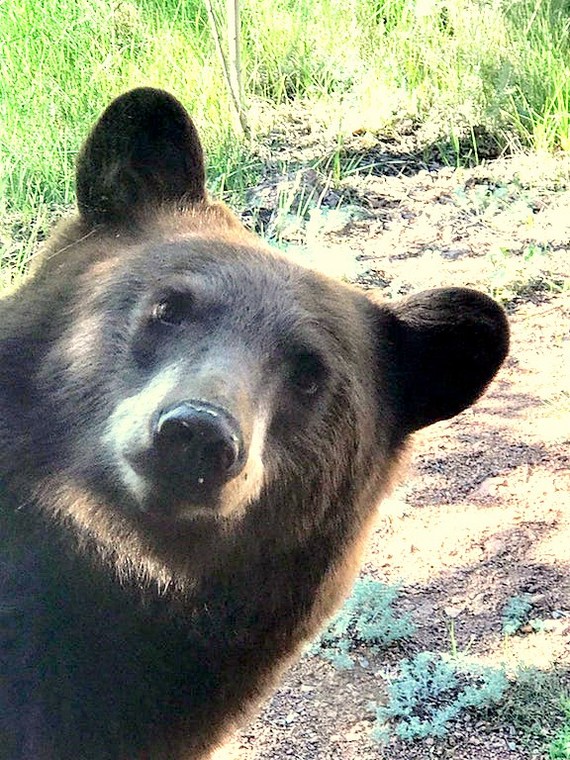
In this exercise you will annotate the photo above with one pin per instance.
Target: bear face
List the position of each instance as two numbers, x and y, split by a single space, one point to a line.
195 434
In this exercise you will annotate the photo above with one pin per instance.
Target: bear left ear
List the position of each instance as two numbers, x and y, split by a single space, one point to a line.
445 347
143 152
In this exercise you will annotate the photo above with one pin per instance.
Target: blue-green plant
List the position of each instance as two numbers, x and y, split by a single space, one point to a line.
516 613
431 692
367 618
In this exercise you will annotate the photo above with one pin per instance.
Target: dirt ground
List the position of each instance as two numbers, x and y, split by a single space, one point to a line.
483 511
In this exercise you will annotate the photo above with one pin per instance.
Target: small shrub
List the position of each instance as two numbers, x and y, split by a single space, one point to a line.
367 618
431 692
516 613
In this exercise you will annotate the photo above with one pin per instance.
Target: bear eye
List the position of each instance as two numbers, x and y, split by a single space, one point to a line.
172 309
308 373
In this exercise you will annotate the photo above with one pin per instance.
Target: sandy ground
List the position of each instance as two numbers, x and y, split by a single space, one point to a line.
483 513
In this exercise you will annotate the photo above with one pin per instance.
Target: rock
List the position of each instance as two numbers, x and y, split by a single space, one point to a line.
453 612
489 487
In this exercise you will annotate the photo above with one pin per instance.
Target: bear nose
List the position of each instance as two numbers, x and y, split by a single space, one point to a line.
201 442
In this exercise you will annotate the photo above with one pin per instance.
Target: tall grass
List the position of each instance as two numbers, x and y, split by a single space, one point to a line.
504 64
63 60
541 93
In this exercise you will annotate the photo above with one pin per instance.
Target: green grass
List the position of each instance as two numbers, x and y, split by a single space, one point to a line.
63 60
559 748
459 65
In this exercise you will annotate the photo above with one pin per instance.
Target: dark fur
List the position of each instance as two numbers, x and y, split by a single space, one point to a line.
127 634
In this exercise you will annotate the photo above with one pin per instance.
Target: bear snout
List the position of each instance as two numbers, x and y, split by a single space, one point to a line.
200 444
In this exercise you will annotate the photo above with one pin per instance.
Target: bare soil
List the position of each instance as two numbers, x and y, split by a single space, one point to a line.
483 511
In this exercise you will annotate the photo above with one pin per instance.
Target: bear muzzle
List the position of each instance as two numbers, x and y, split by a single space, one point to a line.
189 442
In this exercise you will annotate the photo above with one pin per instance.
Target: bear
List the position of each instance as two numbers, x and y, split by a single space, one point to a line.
195 434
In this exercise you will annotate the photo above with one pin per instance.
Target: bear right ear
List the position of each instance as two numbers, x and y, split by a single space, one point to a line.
143 152
445 347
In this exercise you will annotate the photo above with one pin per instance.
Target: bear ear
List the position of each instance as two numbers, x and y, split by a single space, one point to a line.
446 346
143 152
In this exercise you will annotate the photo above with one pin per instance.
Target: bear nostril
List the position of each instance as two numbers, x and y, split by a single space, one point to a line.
199 441
224 452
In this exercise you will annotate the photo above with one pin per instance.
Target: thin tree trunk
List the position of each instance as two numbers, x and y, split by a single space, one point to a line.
233 22
231 66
